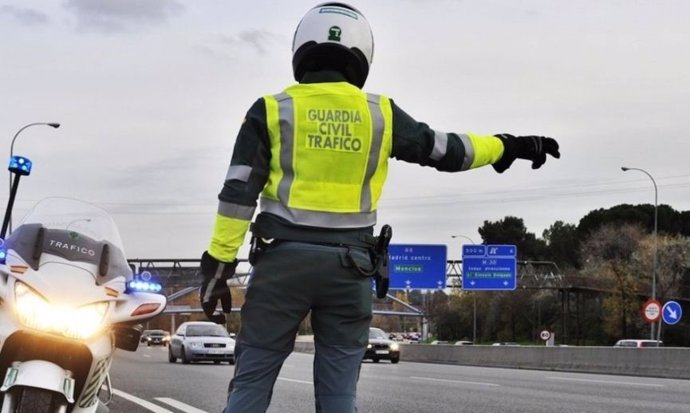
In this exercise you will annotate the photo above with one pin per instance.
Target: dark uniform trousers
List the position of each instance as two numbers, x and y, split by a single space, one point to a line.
289 280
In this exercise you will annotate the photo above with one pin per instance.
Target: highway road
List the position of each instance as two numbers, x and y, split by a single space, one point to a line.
144 381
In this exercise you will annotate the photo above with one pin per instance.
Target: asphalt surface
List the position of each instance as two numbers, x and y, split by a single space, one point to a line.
144 381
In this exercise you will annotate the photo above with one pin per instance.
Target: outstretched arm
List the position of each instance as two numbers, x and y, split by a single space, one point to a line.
416 142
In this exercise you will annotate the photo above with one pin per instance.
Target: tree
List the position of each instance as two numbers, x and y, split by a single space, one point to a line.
617 215
685 223
608 255
450 318
673 263
668 219
563 244
512 230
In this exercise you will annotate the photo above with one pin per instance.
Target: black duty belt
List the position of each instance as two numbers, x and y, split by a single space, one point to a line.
349 238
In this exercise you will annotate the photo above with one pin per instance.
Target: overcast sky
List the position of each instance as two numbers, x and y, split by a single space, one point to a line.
150 95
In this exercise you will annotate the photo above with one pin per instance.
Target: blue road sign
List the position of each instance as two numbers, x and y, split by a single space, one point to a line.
489 267
417 267
671 312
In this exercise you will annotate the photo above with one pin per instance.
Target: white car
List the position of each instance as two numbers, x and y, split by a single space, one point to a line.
201 341
638 343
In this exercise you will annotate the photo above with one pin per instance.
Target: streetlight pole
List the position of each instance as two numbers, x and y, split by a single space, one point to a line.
474 297
656 207
463 236
52 125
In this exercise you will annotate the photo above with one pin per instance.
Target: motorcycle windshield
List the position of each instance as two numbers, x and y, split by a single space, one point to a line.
74 230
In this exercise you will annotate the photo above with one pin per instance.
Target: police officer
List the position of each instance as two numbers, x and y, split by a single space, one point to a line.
316 156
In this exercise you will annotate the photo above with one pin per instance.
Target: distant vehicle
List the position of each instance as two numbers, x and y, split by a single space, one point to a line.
396 337
155 337
413 336
506 343
380 347
638 343
463 343
201 341
439 342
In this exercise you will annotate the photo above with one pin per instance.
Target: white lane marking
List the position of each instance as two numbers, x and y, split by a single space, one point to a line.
476 383
296 381
141 402
179 405
627 383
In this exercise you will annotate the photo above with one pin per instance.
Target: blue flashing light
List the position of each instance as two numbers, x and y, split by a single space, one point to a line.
20 165
3 253
144 286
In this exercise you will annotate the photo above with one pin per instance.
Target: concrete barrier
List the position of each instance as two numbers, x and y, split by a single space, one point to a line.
666 362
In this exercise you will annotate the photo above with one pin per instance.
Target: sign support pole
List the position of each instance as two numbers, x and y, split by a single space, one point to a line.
474 325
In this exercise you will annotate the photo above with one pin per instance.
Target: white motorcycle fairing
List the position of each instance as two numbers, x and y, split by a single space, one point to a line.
65 305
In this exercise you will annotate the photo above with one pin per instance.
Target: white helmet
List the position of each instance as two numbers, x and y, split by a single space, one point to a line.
333 36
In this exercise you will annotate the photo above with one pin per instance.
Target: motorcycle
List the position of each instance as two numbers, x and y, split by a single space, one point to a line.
68 299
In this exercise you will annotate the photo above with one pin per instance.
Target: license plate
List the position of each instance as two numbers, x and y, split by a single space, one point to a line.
381 351
215 351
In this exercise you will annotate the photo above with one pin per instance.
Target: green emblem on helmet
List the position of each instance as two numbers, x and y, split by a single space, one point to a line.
73 235
334 33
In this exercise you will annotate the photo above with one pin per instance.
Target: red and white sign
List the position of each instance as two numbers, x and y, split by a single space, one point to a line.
651 311
545 335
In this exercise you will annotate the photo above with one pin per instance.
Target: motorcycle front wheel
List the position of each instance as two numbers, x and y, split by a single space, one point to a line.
32 400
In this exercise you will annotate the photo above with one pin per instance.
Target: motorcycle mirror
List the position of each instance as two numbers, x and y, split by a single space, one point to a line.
105 261
127 336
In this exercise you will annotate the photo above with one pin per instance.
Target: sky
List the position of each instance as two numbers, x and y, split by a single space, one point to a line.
150 96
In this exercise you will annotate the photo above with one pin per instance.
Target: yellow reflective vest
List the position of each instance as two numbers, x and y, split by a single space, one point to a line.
329 149
330 144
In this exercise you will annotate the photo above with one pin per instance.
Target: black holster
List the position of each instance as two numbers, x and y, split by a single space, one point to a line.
257 246
379 261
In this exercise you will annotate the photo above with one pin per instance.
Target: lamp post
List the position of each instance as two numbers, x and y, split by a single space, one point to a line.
656 197
51 124
474 297
463 236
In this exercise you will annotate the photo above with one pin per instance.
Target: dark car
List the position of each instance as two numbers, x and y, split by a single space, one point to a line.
201 341
155 337
380 347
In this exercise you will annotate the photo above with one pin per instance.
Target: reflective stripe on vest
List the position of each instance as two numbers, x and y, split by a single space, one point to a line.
330 145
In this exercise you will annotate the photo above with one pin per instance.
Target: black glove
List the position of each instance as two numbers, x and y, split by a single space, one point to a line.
214 287
533 148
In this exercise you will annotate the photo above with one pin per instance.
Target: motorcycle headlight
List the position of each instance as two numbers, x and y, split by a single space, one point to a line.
35 312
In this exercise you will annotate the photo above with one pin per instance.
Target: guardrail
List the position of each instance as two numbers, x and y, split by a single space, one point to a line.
665 362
